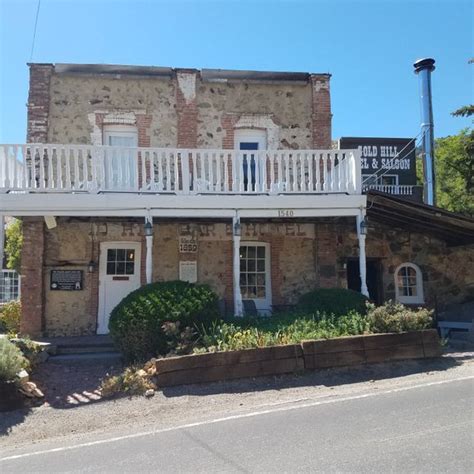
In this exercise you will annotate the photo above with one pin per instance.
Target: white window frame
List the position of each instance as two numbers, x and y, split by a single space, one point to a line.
419 298
117 130
263 305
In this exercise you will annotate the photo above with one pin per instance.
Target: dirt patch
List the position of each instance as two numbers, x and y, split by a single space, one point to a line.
73 383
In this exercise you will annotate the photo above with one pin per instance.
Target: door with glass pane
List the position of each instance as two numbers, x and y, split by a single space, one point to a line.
255 281
119 275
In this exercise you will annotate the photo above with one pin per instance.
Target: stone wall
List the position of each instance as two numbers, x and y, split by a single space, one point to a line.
77 104
448 272
75 242
304 255
178 109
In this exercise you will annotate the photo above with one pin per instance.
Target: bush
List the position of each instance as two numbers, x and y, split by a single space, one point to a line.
337 301
394 317
10 314
11 360
246 333
133 381
137 323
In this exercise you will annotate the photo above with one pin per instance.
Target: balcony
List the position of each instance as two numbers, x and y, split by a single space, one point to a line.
408 191
176 178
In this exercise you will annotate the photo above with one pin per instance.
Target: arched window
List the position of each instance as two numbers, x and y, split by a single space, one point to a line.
409 284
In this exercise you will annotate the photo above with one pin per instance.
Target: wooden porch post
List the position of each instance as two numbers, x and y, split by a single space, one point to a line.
362 258
236 233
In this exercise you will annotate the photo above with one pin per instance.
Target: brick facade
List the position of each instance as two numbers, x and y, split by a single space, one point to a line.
32 271
38 103
321 116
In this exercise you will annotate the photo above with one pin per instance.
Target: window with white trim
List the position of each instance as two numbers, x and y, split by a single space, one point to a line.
120 135
409 284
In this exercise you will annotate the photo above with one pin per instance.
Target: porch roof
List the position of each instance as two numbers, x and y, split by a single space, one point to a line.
455 229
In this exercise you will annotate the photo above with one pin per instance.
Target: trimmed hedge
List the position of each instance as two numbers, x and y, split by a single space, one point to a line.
336 301
137 322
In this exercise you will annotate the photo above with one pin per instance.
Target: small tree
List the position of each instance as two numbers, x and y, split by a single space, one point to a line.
14 244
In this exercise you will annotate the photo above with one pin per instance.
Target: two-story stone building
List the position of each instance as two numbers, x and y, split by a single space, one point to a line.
139 174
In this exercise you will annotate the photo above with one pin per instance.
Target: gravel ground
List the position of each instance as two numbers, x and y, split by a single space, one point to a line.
73 407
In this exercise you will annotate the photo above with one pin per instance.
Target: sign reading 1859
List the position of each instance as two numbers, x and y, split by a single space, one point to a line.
286 213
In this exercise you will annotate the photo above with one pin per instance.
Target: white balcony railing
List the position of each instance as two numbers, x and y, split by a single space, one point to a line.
396 189
92 169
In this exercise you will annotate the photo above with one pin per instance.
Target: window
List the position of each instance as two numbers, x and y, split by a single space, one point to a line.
120 135
120 261
386 179
409 284
253 272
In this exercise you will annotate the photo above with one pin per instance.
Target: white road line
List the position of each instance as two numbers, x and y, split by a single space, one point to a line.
234 417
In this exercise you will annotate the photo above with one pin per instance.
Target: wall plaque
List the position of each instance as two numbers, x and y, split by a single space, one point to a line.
188 271
187 245
66 280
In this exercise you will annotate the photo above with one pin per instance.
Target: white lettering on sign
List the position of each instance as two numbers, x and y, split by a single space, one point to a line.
286 212
396 164
187 245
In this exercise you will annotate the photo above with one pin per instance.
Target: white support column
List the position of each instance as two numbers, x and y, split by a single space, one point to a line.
362 258
149 250
2 239
238 307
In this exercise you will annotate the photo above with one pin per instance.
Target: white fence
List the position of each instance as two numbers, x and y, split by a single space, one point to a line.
87 168
396 189
10 286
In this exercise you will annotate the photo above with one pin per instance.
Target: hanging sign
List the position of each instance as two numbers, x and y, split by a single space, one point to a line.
66 280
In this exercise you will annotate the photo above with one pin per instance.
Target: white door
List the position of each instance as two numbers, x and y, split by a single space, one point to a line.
255 281
248 142
120 162
119 275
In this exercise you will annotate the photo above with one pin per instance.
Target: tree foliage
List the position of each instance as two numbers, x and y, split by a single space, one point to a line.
454 167
13 245
465 111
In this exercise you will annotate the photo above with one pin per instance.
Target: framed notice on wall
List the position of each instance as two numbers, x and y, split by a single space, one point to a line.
188 271
66 280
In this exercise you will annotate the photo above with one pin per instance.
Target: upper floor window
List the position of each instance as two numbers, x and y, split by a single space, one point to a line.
409 284
120 135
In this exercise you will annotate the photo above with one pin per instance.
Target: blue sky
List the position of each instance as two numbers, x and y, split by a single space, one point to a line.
368 47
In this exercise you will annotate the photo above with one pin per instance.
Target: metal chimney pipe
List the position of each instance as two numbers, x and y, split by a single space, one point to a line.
424 67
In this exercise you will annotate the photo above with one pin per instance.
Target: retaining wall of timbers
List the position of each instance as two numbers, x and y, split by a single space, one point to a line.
317 354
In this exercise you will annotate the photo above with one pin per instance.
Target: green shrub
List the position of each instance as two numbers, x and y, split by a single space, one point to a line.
11 360
337 301
394 317
137 324
10 315
247 333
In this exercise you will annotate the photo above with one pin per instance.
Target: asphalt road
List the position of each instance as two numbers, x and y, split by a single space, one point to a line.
423 428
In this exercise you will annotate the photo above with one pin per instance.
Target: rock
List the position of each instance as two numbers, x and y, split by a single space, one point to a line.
151 370
141 373
31 390
149 393
23 376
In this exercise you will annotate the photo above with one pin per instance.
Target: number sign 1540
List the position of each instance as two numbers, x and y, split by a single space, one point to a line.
286 212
